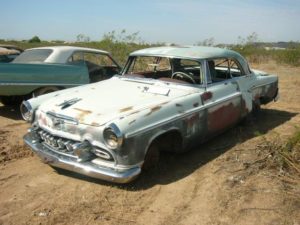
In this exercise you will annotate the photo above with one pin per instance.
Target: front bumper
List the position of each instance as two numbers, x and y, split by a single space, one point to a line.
86 168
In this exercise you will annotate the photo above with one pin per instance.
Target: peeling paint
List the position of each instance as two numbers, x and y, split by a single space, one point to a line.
196 104
206 96
83 113
95 124
192 124
223 117
153 109
126 109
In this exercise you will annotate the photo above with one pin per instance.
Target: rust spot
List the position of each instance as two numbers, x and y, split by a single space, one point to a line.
196 104
257 96
82 113
95 124
206 96
154 109
192 120
164 103
223 117
126 109
131 122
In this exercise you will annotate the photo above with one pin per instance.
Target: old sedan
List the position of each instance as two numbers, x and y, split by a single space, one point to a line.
42 70
168 98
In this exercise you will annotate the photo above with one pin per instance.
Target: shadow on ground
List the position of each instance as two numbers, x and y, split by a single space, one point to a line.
11 112
173 167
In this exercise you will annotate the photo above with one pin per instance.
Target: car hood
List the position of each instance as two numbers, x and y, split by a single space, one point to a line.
99 103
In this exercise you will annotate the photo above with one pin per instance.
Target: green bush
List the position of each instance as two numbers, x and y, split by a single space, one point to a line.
35 39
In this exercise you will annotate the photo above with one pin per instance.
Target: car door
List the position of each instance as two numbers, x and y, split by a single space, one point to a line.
245 81
222 98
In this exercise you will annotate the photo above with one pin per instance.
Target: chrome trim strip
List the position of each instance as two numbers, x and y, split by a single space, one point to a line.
85 168
261 85
187 113
65 118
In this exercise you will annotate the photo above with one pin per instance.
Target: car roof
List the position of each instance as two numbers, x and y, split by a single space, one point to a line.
192 52
60 54
70 48
197 52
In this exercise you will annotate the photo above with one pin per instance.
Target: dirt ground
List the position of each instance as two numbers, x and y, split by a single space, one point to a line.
219 182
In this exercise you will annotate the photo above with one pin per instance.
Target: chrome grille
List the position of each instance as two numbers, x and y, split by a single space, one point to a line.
66 146
57 143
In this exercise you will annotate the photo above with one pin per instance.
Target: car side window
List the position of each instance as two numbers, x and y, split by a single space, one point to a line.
235 69
222 69
98 59
219 69
76 59
100 66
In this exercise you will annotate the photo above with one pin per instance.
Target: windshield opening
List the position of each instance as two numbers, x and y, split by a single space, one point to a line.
166 69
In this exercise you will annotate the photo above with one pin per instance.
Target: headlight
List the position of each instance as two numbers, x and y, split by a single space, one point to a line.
113 137
27 111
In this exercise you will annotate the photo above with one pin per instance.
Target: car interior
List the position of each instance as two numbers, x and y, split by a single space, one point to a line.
166 69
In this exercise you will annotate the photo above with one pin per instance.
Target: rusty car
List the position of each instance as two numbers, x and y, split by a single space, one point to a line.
42 70
166 99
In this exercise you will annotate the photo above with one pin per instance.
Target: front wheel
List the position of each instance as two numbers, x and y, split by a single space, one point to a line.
152 157
44 90
10 100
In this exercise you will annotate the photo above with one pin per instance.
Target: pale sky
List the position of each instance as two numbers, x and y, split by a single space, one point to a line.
170 21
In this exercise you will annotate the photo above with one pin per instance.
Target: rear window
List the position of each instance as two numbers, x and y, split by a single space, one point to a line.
33 56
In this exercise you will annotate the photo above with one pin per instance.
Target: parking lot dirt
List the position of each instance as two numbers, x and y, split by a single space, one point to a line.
209 185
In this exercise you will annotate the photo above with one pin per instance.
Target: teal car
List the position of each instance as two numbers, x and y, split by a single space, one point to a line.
43 70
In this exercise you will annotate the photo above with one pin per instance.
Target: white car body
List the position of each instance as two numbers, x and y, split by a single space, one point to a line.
111 125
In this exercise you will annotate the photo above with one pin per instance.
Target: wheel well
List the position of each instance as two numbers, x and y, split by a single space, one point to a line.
169 141
38 91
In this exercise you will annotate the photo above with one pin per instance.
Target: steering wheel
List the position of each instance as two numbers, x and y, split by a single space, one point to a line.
181 75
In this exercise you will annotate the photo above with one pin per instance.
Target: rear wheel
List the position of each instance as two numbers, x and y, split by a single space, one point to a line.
256 107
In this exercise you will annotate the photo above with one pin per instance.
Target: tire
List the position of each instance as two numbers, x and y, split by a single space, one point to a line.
44 90
256 107
10 100
152 157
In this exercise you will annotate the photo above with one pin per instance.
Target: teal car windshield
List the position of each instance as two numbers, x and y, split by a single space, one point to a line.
33 56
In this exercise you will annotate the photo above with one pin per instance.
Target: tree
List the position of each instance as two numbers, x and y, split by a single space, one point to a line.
122 37
35 39
207 42
82 38
252 38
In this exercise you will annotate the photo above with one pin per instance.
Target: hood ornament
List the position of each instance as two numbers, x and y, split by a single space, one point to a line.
69 103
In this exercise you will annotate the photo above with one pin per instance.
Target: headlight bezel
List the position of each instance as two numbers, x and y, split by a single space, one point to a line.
113 132
27 111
